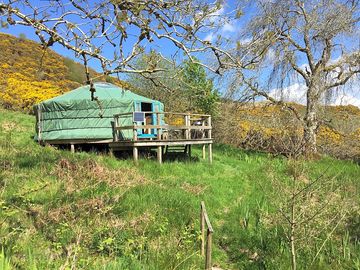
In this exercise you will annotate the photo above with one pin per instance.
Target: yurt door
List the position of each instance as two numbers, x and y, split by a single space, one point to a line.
137 105
149 119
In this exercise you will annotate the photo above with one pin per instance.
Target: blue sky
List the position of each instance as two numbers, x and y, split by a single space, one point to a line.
163 46
229 30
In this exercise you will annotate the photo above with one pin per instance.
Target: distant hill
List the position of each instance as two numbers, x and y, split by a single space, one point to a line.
29 74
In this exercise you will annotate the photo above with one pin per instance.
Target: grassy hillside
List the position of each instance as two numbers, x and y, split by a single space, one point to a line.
92 211
30 74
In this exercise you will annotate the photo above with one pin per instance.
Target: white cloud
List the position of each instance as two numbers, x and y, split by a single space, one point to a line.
346 99
228 27
210 37
293 93
305 66
215 19
212 17
271 55
218 24
245 41
297 93
216 14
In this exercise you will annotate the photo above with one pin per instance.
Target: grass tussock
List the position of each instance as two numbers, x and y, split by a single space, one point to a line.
79 175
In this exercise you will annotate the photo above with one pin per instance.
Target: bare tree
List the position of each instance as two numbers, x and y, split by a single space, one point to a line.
126 28
312 211
316 42
313 43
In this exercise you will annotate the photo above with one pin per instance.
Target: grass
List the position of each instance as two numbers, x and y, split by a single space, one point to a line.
93 211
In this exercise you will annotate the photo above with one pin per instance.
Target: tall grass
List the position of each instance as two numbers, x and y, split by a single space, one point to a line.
4 261
93 211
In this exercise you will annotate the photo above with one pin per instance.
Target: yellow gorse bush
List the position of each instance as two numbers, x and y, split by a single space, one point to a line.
30 74
328 135
24 93
271 128
356 134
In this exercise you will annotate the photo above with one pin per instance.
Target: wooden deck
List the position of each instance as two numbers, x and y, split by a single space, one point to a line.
170 130
184 129
146 143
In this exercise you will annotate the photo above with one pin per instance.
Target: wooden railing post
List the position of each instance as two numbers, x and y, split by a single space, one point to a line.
116 137
135 149
204 130
159 148
210 137
208 265
209 125
202 229
134 134
202 137
158 120
204 220
187 125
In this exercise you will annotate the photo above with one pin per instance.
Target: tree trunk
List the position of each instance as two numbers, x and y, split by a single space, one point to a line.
293 222
311 124
292 237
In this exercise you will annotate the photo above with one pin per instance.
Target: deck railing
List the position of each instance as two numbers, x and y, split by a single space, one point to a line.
169 126
205 226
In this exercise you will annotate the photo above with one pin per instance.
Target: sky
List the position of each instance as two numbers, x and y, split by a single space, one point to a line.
294 91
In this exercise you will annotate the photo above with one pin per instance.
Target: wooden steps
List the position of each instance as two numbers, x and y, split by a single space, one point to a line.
176 149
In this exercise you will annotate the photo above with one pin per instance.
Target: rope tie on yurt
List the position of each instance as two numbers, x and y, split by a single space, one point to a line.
94 98
92 87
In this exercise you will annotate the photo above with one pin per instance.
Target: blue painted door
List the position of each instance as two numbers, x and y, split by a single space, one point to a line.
137 108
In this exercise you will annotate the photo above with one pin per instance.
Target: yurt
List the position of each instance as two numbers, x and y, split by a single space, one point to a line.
74 118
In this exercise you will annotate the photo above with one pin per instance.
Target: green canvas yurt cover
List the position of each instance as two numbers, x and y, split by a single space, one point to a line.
74 116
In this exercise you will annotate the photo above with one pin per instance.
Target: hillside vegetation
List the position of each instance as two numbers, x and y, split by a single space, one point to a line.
30 74
270 128
92 211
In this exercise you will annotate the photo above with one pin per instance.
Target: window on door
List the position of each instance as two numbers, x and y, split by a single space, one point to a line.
147 107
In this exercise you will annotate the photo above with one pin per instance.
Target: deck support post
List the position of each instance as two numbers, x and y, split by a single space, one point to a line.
210 153
115 132
204 151
189 151
159 154
72 148
135 154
